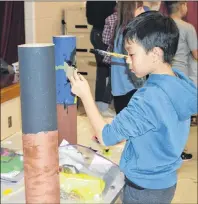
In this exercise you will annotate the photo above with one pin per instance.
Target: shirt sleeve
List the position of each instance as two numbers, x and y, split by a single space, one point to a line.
109 28
106 35
135 120
192 38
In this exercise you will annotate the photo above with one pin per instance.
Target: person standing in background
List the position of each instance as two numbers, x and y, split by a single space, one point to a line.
152 5
186 56
96 13
111 21
108 34
187 46
124 83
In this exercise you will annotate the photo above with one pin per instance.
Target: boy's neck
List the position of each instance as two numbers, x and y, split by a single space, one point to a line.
164 68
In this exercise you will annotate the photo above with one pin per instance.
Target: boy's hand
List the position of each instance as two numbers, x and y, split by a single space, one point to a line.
128 60
80 86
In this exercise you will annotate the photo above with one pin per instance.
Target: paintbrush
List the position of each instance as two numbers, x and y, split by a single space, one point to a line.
112 54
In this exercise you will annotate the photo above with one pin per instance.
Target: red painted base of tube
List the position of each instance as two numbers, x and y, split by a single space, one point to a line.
67 123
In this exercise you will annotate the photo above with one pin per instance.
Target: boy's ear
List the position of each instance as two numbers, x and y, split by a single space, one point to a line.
157 53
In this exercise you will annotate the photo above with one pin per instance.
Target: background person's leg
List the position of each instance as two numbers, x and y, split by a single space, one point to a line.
101 93
103 89
120 102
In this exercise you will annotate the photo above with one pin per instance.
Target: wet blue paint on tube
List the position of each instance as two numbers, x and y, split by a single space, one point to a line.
65 55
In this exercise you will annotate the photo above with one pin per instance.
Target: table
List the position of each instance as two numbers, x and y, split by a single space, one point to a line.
18 195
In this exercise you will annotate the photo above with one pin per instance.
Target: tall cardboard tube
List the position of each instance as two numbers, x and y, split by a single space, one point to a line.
39 123
65 55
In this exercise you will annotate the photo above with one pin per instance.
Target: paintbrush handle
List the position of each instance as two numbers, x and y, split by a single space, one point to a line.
102 52
113 54
116 55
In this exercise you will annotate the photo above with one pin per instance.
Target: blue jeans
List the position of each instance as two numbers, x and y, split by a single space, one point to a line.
148 196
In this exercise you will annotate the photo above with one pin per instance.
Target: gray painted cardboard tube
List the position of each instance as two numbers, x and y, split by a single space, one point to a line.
38 88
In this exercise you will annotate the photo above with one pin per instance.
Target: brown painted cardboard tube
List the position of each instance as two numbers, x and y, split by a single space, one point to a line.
41 168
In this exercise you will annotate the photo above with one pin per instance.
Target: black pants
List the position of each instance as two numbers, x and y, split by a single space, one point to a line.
120 102
103 89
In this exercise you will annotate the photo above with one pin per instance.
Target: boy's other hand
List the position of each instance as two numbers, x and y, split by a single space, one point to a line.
80 86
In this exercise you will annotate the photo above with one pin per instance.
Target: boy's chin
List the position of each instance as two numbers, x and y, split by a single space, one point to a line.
138 75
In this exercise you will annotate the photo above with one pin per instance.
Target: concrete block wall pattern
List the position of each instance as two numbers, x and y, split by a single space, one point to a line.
65 55
39 123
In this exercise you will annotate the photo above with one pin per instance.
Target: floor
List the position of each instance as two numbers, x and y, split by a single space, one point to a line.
187 183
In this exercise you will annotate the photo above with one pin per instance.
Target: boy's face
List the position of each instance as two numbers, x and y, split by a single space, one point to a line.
140 62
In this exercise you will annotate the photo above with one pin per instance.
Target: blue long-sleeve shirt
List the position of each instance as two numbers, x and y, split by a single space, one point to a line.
155 125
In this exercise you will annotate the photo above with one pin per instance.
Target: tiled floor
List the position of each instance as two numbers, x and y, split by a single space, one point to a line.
187 184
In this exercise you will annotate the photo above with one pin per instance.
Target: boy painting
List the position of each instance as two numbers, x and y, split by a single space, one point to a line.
156 122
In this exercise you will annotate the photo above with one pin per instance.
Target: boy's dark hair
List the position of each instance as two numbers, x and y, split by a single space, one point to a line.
153 29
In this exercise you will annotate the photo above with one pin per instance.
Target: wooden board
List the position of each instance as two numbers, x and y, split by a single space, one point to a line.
10 92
